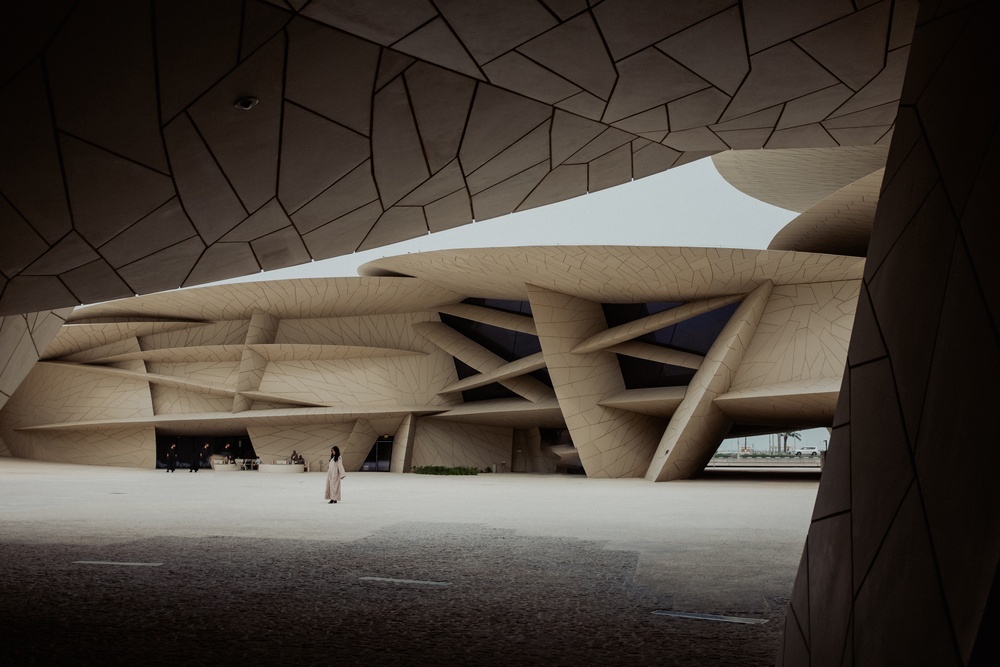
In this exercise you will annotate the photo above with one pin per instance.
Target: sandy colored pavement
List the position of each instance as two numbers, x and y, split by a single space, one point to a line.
557 569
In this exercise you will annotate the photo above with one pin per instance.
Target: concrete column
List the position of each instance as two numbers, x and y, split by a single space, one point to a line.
612 442
698 426
901 562
356 449
402 444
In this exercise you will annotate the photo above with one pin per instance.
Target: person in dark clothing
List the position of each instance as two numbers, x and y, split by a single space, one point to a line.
172 458
199 456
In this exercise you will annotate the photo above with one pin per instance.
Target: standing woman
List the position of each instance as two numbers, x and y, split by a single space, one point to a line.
334 475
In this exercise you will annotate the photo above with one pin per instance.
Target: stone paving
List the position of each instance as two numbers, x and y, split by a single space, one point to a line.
408 570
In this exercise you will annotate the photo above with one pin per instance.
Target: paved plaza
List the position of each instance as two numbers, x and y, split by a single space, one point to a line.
218 568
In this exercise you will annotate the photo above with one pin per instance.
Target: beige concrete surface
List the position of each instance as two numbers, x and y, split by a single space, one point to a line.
724 542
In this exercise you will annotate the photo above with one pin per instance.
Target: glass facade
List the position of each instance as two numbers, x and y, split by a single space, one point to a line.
695 335
507 344
380 457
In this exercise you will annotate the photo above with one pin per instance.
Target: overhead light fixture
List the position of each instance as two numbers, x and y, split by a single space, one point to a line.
246 103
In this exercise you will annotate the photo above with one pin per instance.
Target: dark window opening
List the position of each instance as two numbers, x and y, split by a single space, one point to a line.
542 375
506 305
622 313
694 335
555 436
379 459
488 392
569 465
239 447
505 343
643 374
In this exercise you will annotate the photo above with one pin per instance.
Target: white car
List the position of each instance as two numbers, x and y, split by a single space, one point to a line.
807 451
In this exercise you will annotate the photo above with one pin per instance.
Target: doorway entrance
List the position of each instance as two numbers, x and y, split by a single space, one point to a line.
380 457
237 446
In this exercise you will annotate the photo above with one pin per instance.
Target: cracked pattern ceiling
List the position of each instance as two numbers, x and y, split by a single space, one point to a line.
128 167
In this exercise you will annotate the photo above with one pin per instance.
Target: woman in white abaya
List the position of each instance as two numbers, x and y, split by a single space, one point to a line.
334 475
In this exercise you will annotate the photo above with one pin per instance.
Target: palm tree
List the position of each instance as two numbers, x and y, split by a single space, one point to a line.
789 434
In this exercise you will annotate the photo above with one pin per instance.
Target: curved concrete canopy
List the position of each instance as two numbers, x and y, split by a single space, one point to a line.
152 145
841 224
759 342
306 297
614 274
798 179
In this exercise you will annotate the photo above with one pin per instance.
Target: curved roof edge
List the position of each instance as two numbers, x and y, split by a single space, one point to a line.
797 179
841 224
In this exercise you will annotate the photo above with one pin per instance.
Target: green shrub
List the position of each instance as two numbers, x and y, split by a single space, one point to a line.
444 470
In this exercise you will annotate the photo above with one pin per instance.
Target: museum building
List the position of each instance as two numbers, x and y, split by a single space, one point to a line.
154 145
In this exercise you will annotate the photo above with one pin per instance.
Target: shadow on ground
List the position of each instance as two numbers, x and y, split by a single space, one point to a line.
471 595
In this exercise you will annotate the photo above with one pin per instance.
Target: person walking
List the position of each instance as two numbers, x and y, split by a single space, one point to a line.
334 475
172 457
199 455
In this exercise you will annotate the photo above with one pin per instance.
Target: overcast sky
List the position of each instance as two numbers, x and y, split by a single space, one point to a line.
687 206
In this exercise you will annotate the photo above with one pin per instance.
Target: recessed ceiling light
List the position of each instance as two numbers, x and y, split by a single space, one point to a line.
246 103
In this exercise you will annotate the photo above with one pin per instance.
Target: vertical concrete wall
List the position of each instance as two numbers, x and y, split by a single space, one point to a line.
447 443
402 445
23 339
901 562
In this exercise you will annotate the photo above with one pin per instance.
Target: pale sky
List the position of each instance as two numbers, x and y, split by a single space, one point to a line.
691 205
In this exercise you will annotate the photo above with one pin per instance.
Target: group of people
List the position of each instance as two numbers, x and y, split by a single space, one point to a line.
334 475
199 455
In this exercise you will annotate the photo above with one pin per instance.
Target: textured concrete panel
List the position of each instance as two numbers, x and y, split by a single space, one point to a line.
435 43
839 225
252 100
21 344
315 153
397 155
29 176
439 442
193 54
612 442
332 74
203 190
797 179
803 334
403 444
112 39
698 425
246 143
441 101
615 274
921 579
